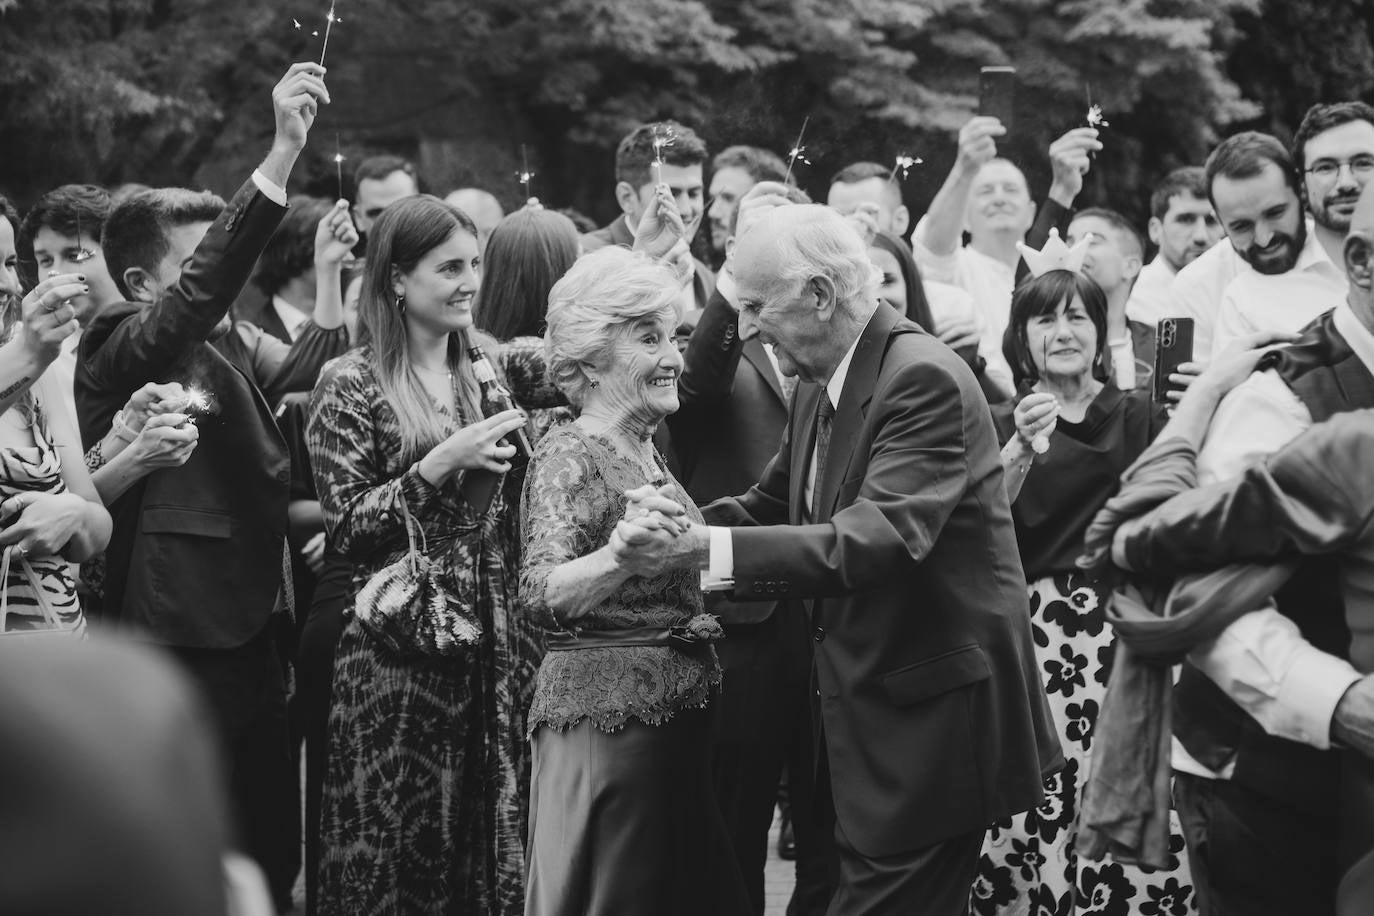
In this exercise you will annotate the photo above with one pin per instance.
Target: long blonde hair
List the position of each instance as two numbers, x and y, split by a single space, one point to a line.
407 231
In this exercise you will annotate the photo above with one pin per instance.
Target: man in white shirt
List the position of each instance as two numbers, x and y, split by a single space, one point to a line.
1254 184
989 198
1264 663
61 235
1115 251
1182 226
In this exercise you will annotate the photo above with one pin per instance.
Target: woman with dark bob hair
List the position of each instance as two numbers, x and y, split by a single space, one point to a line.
1067 440
623 818
528 252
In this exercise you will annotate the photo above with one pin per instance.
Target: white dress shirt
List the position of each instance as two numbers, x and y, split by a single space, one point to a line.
291 317
1149 300
1262 660
1197 290
720 573
1286 302
989 282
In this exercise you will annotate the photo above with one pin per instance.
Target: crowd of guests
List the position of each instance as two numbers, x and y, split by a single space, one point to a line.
900 517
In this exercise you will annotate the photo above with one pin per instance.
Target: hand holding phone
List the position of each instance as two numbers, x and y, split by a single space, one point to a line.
1173 347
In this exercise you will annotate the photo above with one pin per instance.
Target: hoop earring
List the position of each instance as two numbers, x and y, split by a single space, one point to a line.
401 303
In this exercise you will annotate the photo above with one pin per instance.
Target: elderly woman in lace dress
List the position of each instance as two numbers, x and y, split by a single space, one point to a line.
622 816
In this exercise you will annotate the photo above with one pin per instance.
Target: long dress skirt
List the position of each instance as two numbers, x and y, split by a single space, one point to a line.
627 823
1029 865
405 822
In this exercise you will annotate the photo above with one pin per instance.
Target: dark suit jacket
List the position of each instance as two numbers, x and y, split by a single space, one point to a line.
934 717
617 233
195 557
730 423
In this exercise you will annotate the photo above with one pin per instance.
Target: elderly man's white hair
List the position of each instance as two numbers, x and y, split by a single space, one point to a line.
812 240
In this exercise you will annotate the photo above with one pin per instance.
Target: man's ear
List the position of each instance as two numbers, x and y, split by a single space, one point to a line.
826 300
142 285
901 219
1130 266
628 197
1156 228
1359 259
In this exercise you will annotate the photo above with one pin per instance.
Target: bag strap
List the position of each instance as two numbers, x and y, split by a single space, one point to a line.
40 596
412 528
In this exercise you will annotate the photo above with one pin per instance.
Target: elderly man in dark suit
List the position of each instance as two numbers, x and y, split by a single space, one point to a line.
196 558
885 506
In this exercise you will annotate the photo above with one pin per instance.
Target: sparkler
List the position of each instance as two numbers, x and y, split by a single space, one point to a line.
338 164
798 151
664 136
1040 442
525 176
1094 115
328 24
903 165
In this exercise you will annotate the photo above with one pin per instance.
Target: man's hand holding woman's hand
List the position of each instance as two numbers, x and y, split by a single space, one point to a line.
650 538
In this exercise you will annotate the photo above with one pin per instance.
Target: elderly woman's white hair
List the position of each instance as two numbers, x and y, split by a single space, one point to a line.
812 240
596 300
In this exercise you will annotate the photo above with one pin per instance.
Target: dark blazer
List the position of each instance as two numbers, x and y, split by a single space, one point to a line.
618 233
195 557
934 718
730 422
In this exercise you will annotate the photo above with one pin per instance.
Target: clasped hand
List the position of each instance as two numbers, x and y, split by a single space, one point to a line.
645 540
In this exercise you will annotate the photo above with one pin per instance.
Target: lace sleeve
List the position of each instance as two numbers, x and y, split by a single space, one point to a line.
561 514
362 509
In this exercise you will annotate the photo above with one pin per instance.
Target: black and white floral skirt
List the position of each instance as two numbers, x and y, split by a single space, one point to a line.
1029 865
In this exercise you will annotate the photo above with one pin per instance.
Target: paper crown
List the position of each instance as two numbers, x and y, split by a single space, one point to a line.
1055 255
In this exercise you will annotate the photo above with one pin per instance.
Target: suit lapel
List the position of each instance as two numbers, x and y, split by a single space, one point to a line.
853 406
758 357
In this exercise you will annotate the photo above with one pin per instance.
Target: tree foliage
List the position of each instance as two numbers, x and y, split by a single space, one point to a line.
169 91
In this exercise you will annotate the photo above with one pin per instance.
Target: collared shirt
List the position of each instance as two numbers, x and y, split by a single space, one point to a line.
64 368
1197 289
1149 300
1262 660
720 572
989 282
1255 302
292 318
1123 361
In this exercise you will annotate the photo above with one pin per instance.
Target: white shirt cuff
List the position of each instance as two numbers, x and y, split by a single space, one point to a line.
1309 692
719 576
269 188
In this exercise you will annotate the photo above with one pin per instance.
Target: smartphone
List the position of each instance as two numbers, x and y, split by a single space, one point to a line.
1173 347
996 88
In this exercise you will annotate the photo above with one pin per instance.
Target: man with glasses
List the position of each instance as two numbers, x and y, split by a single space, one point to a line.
1296 274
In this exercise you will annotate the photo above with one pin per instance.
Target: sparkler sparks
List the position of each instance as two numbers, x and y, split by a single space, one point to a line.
338 165
903 164
525 176
664 136
1095 118
798 151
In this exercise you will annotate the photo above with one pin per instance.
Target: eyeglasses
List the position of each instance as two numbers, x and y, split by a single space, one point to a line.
1363 166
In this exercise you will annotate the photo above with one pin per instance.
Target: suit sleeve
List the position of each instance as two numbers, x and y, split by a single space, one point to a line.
1307 498
146 343
713 354
918 472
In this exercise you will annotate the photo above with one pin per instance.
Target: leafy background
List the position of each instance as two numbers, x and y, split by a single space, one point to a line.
176 91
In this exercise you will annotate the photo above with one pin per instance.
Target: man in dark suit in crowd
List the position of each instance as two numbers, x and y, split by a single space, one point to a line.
196 558
639 168
732 415
281 296
886 508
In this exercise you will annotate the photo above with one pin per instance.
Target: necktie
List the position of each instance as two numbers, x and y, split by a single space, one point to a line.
825 412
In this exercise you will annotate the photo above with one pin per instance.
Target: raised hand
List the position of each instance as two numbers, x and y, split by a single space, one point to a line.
1070 159
296 100
48 319
660 226
335 236
978 143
